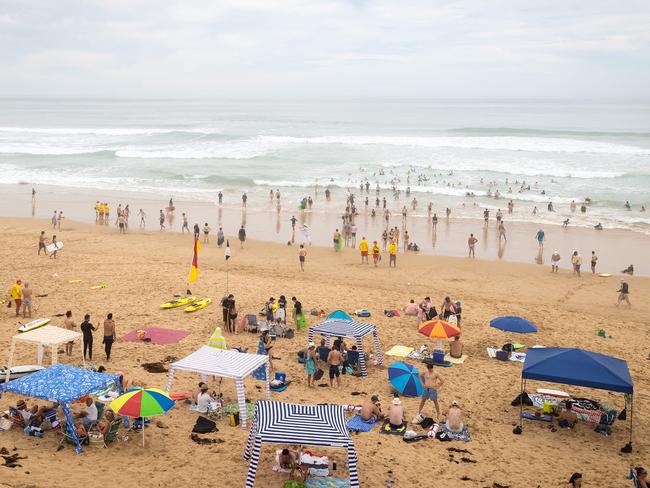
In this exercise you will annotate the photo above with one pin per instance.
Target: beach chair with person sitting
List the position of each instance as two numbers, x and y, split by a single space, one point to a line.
352 360
111 432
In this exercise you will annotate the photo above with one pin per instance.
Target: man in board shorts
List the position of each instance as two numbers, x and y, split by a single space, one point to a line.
334 360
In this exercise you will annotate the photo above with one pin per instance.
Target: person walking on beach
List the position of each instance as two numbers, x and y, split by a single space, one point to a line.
16 294
406 240
298 314
54 220
109 335
335 239
302 254
242 236
206 233
540 238
186 226
59 219
594 261
27 301
431 382
434 221
161 218
87 329
197 232
376 253
69 324
220 237
502 232
471 243
555 259
363 249
576 261
56 246
334 360
623 294
41 243
392 254
244 197
220 197
121 223
306 233
142 216
310 364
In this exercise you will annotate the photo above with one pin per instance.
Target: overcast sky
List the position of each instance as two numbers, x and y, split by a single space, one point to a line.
266 48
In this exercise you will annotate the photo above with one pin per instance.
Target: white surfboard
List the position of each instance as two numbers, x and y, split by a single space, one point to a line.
34 324
55 246
19 371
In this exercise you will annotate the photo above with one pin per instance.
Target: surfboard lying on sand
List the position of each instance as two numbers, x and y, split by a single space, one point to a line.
604 275
74 282
179 302
19 371
34 324
99 286
199 305
55 246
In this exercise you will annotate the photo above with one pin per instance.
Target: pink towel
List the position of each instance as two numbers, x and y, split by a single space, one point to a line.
157 335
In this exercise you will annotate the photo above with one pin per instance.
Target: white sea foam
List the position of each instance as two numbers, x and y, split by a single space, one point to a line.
234 149
106 131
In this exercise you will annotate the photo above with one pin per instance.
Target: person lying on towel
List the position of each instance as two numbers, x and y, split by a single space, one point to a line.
371 410
396 414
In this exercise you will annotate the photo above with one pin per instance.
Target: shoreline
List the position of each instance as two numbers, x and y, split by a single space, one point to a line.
266 224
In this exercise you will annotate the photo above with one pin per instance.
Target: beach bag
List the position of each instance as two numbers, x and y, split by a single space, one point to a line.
289 334
363 313
548 407
426 422
502 355
234 419
318 374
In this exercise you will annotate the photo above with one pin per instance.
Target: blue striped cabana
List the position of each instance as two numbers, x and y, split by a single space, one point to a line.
235 365
350 329
292 423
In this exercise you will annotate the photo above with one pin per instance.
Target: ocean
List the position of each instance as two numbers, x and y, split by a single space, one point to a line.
442 150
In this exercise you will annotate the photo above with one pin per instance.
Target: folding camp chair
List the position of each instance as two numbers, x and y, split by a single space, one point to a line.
251 323
67 436
111 433
323 353
353 360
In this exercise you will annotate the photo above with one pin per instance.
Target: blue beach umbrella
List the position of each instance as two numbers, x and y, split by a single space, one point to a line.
513 324
405 379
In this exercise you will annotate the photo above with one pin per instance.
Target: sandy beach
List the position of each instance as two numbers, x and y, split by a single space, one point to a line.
144 269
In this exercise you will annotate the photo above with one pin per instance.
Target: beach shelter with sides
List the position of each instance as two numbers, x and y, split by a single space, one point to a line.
62 384
578 367
209 361
292 423
46 336
350 329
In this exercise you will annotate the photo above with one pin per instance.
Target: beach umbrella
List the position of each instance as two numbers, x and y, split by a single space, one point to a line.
513 324
405 379
438 329
140 403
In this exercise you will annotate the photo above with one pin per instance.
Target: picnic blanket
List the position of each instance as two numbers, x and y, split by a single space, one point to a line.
399 351
157 335
327 482
463 435
356 423
515 356
459 360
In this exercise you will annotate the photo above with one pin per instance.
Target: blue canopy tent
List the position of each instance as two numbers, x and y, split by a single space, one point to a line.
578 367
62 384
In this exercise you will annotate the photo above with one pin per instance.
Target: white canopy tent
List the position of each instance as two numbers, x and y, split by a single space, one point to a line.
46 336
209 361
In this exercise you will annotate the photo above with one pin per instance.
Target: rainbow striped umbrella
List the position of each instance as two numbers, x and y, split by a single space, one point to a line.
438 329
139 403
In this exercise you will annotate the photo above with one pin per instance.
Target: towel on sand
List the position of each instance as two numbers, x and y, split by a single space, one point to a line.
515 356
358 424
327 482
157 335
399 351
386 429
459 360
463 435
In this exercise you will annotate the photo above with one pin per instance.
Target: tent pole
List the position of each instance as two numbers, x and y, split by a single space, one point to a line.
521 402
631 415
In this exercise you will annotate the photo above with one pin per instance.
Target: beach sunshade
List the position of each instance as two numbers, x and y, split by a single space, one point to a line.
513 324
138 402
405 379
339 314
438 329
218 341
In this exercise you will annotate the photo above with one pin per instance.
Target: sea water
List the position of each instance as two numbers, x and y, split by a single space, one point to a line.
442 149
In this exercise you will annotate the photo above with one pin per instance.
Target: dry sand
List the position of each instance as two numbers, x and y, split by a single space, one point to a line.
145 269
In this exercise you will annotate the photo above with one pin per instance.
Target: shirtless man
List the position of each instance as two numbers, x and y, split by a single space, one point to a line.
431 381
334 360
42 240
109 335
69 324
456 348
371 410
396 414
27 301
471 242
335 239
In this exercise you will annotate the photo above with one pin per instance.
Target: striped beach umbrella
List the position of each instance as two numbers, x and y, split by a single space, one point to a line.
405 379
438 329
140 403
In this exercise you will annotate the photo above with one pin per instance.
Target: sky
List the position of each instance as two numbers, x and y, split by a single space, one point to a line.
324 48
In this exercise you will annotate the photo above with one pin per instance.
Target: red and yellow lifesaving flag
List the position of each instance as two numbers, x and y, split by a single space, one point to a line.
194 272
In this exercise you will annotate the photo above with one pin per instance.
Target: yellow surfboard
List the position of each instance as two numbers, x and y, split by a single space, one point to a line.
99 286
178 303
74 282
199 305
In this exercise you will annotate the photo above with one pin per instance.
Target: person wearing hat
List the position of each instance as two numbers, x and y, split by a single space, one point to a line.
555 259
310 363
17 295
203 399
371 409
396 414
623 293
454 418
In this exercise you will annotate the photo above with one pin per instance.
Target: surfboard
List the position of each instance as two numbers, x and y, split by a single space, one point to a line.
55 246
19 371
74 282
178 303
99 286
199 305
34 324
604 275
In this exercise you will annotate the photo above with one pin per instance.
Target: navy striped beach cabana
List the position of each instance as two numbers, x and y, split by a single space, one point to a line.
350 329
293 423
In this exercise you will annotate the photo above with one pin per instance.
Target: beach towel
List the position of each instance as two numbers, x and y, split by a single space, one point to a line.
327 482
281 387
386 429
357 424
157 335
399 351
532 416
452 360
463 435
